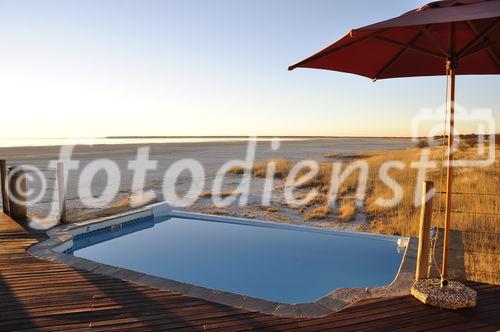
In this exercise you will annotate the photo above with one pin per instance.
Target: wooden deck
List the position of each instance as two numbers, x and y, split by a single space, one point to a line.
41 295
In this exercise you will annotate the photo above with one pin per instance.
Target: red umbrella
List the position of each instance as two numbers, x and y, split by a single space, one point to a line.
441 38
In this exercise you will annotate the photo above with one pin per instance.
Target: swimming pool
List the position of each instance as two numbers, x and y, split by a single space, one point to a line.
283 263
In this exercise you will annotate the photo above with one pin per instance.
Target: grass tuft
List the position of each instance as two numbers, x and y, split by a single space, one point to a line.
319 212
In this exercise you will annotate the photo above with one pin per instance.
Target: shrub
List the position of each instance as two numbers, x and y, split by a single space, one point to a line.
422 143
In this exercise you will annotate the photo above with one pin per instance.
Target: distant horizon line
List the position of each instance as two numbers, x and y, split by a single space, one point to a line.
218 136
201 136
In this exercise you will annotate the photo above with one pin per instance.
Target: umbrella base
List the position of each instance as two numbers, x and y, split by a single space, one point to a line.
452 296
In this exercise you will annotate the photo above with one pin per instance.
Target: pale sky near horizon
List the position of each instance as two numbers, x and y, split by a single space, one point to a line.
185 67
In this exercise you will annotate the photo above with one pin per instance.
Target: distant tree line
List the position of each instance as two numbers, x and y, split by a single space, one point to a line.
466 140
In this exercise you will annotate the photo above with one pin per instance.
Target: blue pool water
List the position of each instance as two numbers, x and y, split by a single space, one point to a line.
293 265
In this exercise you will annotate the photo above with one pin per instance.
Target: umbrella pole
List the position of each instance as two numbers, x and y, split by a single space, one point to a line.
451 68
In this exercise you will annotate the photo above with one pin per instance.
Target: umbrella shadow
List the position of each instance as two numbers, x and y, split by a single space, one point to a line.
13 314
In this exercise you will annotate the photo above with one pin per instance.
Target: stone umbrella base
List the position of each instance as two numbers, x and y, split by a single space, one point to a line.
452 296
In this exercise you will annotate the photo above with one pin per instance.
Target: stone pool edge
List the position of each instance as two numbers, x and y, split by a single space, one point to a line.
61 239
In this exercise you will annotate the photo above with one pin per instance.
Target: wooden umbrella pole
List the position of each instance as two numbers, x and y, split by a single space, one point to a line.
449 174
3 185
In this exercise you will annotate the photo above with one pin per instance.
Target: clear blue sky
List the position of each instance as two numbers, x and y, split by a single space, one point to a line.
184 67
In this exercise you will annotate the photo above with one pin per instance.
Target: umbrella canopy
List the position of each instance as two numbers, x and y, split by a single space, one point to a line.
448 37
418 43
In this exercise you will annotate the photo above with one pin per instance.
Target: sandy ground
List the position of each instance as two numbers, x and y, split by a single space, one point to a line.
210 155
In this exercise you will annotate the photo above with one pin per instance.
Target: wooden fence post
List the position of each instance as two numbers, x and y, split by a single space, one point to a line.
61 190
3 184
424 232
18 191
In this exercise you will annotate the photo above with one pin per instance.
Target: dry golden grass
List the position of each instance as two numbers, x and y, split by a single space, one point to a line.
343 156
331 155
470 183
320 199
282 168
476 216
270 209
347 210
319 212
209 194
236 170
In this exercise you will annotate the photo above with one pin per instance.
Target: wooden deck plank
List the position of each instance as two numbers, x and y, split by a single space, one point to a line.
43 295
